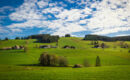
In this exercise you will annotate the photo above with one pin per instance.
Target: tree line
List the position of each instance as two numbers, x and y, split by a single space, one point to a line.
105 38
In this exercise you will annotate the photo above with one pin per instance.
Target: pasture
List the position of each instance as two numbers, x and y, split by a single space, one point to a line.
18 65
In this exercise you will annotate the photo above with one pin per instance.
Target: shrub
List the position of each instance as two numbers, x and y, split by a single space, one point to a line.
77 66
129 51
98 61
86 63
26 42
25 49
63 61
103 45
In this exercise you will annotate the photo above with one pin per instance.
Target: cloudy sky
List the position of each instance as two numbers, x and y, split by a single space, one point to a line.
60 17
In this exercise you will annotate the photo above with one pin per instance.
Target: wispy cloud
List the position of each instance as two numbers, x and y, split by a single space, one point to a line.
123 35
4 9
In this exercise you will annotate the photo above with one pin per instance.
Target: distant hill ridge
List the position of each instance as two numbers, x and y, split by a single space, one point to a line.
106 38
49 38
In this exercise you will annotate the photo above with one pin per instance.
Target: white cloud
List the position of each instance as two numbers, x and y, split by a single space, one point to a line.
111 30
53 10
123 35
42 4
3 30
27 24
27 11
109 18
16 30
68 29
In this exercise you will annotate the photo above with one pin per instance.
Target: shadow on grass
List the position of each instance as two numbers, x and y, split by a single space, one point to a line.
12 51
39 42
40 65
29 65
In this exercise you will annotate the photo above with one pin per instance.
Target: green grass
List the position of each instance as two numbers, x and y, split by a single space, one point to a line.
18 65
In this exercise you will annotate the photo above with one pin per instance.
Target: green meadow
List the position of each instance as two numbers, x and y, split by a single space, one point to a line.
18 65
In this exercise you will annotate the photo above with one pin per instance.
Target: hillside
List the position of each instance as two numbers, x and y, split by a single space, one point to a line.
16 64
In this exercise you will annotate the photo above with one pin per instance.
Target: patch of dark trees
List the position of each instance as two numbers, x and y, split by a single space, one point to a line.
67 35
45 38
52 60
97 45
105 38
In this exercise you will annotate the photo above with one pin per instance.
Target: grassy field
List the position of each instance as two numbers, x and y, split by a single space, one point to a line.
18 65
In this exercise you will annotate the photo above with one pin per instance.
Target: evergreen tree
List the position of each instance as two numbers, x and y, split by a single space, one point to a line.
98 61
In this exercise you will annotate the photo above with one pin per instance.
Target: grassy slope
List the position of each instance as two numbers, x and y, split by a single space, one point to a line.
15 64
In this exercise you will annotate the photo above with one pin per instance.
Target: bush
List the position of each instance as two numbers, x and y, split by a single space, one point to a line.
25 49
103 45
63 62
26 42
129 51
98 61
77 66
86 63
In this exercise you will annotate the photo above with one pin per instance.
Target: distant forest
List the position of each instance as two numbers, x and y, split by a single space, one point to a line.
47 38
105 38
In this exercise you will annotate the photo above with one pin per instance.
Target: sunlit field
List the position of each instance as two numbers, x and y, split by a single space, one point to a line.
18 65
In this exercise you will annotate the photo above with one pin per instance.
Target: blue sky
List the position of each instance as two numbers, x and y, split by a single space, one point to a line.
59 17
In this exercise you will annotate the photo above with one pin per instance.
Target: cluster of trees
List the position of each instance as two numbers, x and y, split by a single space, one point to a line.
105 38
6 38
67 35
45 38
52 60
96 44
124 45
